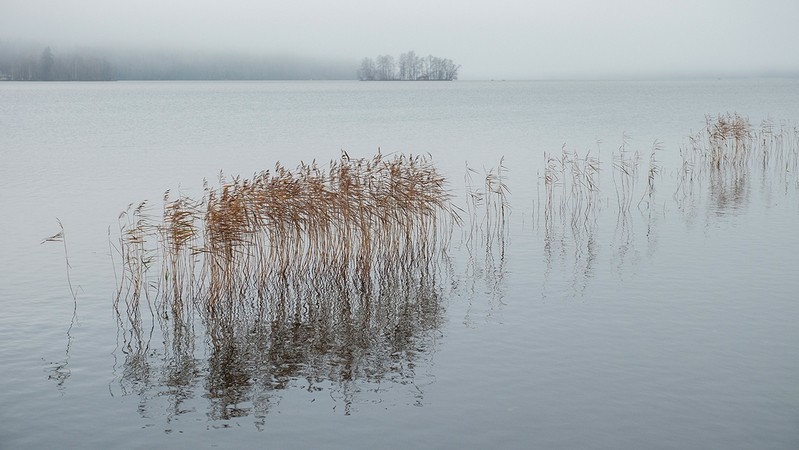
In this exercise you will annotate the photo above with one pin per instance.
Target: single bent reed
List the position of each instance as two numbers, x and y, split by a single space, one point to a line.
287 230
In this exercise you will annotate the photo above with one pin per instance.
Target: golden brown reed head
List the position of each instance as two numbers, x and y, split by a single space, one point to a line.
729 139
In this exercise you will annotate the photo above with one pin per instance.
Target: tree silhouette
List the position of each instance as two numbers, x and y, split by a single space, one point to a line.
408 67
46 65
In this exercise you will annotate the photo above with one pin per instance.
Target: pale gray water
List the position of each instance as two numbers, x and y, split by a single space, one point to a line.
670 327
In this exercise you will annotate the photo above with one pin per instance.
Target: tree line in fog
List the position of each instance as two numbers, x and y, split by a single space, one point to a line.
18 65
408 66
30 62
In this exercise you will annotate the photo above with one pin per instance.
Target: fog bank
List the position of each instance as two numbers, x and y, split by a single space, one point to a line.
496 39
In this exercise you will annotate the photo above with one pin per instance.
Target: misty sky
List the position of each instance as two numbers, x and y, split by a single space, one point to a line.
514 39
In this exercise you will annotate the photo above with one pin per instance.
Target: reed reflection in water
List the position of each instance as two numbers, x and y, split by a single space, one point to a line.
312 335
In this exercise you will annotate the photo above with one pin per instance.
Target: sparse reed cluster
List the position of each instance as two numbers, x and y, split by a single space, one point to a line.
572 194
729 151
487 206
571 185
724 156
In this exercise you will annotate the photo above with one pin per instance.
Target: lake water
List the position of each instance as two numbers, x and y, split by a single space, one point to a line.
670 323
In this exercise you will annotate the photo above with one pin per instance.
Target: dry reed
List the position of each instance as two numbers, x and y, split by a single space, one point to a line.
331 273
285 231
487 206
355 222
729 152
571 184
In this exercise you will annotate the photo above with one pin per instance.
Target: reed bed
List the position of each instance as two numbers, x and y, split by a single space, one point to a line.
283 231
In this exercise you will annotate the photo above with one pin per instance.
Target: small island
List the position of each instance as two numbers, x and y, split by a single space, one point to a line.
408 67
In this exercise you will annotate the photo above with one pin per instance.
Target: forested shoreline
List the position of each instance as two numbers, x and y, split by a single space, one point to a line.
18 64
27 62
34 62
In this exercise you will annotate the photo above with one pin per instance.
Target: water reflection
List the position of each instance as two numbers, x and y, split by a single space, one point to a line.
484 278
729 189
562 242
59 371
315 336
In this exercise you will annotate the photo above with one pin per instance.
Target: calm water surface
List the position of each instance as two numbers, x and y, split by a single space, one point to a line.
671 325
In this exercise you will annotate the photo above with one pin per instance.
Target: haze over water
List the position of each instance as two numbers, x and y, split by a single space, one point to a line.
668 326
505 39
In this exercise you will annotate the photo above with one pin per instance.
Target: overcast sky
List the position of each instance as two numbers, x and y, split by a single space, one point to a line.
514 39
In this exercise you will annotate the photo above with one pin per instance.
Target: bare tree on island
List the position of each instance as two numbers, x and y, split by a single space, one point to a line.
386 67
408 67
